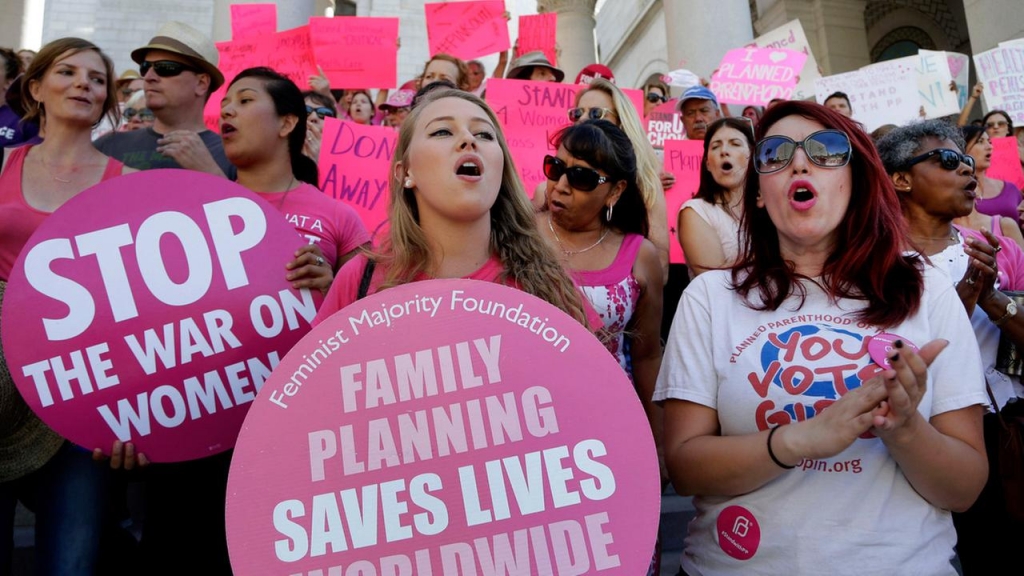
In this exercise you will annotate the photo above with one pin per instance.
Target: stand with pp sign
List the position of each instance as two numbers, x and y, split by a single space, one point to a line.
445 427
156 322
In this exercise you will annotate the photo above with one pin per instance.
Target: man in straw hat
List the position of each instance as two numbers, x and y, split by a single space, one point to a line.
179 67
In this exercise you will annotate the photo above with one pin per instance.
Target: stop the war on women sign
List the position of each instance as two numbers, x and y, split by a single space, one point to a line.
446 427
151 308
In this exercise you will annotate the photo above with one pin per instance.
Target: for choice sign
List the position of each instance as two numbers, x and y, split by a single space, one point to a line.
445 427
151 308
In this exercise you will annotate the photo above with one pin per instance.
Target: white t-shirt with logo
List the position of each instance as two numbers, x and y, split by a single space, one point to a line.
854 513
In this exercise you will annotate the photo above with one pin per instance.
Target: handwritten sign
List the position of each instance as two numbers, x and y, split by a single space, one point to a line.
467 30
538 32
355 51
959 68
288 52
664 123
933 79
355 163
1006 162
682 159
791 36
1001 70
253 20
757 76
157 322
883 93
440 426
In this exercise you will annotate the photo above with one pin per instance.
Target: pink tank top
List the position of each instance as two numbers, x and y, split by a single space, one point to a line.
18 220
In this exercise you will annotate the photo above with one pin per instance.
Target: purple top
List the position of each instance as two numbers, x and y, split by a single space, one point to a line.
1004 204
12 131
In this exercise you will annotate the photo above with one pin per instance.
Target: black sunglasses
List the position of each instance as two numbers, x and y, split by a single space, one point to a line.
948 159
579 178
165 68
322 111
653 97
591 113
143 114
825 148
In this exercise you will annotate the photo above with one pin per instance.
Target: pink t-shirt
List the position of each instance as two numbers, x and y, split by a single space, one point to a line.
333 226
18 220
345 289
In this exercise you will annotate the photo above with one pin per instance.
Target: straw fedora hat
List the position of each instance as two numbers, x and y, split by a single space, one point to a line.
25 442
521 66
186 41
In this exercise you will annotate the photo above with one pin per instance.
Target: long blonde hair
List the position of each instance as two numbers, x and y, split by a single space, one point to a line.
648 168
526 258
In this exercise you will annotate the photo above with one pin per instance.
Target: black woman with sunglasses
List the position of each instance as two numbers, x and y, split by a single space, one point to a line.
179 66
823 398
318 107
935 183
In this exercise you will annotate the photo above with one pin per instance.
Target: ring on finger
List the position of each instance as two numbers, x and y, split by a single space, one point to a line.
970 281
319 260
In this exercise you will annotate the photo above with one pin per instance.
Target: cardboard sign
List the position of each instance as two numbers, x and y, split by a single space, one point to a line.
757 76
288 52
467 30
157 322
933 79
253 20
1006 162
354 51
683 159
538 32
355 164
1001 70
664 123
445 427
791 37
883 93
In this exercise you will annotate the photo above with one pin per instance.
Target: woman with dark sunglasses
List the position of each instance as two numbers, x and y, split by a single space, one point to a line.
933 193
597 223
318 107
807 405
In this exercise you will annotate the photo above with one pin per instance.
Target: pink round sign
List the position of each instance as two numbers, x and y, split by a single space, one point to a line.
445 427
152 308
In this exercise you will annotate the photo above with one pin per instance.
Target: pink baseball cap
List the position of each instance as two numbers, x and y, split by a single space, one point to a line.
400 99
595 71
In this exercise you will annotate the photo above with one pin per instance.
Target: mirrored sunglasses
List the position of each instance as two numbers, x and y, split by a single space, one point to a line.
591 114
579 177
825 148
144 114
322 112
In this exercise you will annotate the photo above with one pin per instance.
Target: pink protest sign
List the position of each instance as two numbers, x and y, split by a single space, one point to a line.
757 75
253 20
439 426
360 52
683 159
1006 162
663 124
288 52
538 32
157 322
355 164
467 29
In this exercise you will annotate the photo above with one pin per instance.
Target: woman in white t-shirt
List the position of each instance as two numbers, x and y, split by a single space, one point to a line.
805 455
709 223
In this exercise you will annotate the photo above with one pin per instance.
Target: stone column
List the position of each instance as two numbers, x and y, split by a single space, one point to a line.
700 32
575 33
834 28
290 13
990 22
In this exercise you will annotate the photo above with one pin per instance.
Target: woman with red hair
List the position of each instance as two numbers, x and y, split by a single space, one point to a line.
815 419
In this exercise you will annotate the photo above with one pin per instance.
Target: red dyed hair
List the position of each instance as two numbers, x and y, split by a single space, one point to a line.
867 262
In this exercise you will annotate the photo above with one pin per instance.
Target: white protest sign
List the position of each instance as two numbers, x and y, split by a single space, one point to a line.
883 93
933 79
791 36
1001 70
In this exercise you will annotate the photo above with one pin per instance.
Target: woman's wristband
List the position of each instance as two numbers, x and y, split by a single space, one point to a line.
772 453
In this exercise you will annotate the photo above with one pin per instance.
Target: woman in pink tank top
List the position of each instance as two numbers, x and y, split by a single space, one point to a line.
66 89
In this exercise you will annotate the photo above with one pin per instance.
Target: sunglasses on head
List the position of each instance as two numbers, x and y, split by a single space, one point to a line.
579 177
653 97
143 114
948 159
322 111
825 148
591 113
165 68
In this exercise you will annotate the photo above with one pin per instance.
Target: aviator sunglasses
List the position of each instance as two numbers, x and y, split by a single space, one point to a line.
825 148
591 113
579 178
322 111
165 68
948 159
653 97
